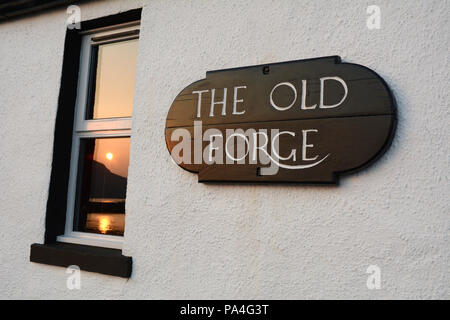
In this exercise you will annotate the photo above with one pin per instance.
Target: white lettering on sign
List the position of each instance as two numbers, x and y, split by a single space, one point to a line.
223 102
303 106
236 100
241 147
247 143
199 103
292 154
214 136
322 85
290 85
305 145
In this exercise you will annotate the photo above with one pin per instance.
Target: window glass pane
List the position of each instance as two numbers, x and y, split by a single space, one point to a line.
103 172
114 80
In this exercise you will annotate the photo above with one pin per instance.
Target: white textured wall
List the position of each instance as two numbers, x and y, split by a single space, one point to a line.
191 240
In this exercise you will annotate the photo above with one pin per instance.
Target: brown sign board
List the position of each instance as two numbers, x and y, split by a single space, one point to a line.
301 121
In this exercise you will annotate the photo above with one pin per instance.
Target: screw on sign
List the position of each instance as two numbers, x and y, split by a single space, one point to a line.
305 121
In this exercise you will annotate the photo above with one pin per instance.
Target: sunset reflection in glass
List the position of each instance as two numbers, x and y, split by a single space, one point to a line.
115 78
101 196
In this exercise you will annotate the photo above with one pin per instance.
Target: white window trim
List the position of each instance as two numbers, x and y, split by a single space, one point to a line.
97 128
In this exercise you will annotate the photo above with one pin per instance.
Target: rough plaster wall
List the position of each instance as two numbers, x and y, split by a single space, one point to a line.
191 240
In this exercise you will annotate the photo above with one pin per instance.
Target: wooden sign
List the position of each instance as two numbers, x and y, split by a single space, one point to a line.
300 121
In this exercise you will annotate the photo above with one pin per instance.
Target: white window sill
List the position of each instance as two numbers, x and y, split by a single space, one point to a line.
90 239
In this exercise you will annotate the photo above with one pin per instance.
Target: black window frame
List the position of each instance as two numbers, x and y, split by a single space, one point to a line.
88 258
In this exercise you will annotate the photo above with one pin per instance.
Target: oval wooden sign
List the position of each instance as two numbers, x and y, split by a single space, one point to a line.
299 121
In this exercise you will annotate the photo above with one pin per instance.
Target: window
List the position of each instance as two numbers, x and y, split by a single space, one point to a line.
85 215
101 137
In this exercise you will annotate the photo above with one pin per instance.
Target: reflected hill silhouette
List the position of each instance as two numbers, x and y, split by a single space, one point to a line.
105 184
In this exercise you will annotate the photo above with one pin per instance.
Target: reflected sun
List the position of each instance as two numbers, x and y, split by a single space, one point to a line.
109 156
104 225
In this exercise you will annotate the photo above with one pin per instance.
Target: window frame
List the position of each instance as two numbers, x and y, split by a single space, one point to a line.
93 128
